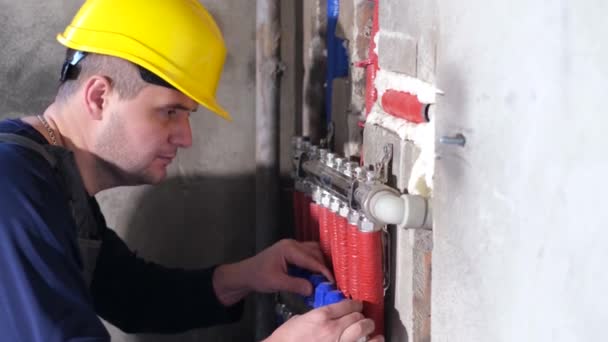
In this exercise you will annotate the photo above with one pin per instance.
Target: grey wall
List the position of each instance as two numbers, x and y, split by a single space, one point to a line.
519 239
203 214
520 233
30 58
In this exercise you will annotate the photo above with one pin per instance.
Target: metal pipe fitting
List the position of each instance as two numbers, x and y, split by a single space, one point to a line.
344 210
335 204
368 226
330 160
313 152
325 199
328 178
322 155
316 194
381 204
339 164
349 169
353 217
360 173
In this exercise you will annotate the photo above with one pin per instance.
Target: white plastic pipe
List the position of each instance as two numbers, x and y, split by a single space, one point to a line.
387 207
405 211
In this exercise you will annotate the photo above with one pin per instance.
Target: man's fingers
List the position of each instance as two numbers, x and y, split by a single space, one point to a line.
343 308
350 319
311 245
313 250
356 330
303 259
296 285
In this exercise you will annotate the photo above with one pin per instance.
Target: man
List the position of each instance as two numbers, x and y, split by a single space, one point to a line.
134 72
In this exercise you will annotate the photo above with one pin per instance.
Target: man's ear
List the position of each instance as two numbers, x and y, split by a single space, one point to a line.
97 91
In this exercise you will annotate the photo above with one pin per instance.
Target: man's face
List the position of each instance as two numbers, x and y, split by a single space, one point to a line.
140 137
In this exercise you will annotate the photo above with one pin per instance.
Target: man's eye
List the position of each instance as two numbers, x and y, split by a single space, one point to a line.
171 112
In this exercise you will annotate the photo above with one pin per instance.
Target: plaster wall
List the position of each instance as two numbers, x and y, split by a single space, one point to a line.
520 239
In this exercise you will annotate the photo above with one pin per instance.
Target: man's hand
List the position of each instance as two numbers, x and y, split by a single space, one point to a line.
267 271
341 322
270 267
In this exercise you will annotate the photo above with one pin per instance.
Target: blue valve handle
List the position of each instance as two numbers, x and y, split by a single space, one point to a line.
333 297
325 293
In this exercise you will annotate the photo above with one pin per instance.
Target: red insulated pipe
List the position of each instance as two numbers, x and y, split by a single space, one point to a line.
342 273
313 223
297 213
371 277
324 237
335 253
353 262
375 312
305 213
331 224
404 105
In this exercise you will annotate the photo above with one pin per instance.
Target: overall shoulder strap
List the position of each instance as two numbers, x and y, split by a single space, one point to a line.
28 143
88 228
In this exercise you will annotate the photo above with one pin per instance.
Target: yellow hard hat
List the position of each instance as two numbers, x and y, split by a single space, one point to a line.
177 40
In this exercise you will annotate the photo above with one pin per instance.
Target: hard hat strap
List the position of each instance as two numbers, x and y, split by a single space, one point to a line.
70 71
152 78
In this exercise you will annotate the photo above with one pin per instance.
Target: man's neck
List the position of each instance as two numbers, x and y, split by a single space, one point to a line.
71 134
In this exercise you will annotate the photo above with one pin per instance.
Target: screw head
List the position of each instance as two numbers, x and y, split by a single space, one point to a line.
458 140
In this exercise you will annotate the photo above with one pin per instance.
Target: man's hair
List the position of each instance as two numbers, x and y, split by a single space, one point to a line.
123 75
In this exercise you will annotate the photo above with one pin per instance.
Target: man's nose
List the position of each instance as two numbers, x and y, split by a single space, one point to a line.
182 132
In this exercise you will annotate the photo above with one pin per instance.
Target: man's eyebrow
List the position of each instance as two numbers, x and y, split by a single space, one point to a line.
181 106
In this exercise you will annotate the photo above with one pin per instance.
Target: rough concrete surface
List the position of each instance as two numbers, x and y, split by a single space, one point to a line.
416 20
520 239
190 220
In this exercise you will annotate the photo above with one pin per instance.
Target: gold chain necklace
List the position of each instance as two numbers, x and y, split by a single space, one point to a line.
48 129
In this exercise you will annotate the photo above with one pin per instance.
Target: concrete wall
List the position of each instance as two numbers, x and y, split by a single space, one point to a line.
520 239
190 220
